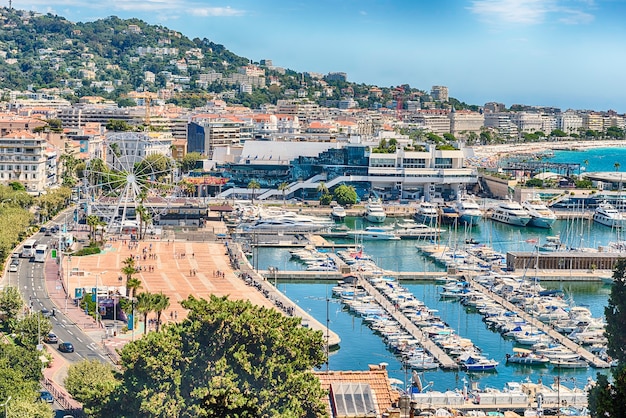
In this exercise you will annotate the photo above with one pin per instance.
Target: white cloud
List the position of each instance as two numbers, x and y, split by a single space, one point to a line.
531 12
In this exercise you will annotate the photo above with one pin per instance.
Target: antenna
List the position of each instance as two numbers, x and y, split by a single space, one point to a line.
10 4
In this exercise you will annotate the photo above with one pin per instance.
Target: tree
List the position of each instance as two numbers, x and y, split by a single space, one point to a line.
133 284
608 399
322 189
145 305
91 382
92 221
11 303
161 303
189 161
253 185
128 270
283 187
345 195
617 165
229 358
31 328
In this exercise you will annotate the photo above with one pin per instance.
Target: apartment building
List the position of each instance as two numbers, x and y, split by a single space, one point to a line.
78 116
569 122
593 121
439 93
26 158
462 122
435 120
10 123
501 121
527 121
124 149
205 132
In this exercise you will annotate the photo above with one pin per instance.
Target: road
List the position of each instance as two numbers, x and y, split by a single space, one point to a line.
30 279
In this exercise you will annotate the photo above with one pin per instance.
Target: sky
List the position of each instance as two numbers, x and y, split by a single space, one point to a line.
561 53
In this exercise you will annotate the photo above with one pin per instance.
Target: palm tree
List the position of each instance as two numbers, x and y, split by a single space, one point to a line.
93 221
161 303
132 285
617 166
145 305
283 187
322 189
254 185
128 270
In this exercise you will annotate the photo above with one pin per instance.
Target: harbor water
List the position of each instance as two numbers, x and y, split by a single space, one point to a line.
361 347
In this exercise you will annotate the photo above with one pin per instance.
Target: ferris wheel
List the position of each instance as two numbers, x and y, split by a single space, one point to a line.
130 180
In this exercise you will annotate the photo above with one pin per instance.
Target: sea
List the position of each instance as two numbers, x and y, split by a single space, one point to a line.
360 347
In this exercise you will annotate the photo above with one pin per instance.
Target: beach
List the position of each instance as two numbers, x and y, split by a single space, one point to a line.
487 156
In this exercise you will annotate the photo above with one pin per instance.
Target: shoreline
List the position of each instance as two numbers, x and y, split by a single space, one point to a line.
501 150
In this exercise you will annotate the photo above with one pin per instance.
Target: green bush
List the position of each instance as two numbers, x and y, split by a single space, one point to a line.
87 251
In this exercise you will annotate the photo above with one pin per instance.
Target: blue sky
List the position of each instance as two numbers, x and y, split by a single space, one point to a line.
564 53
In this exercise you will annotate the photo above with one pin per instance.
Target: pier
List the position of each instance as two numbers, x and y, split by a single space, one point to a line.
593 360
433 349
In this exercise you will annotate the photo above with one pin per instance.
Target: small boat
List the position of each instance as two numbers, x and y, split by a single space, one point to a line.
526 357
427 213
553 243
477 364
570 364
338 213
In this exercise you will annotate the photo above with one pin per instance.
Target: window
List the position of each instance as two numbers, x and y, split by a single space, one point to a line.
443 162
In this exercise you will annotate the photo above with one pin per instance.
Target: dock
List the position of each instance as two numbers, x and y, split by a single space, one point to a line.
433 349
592 359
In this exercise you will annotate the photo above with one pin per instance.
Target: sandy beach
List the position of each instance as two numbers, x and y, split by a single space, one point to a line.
488 155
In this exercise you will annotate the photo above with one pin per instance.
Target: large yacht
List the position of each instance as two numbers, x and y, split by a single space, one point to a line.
374 233
374 211
511 213
540 215
427 213
468 210
606 214
285 221
338 213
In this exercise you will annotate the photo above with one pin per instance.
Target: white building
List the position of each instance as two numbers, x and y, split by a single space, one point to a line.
124 149
465 121
24 158
569 122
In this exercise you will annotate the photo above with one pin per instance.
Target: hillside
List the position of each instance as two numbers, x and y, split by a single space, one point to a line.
113 56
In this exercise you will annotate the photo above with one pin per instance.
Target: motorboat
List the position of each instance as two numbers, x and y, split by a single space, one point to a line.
427 213
374 211
338 213
570 364
479 364
412 230
553 243
511 213
606 214
468 210
540 215
526 357
374 233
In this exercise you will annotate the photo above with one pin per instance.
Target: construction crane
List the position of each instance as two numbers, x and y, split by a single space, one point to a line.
147 97
398 96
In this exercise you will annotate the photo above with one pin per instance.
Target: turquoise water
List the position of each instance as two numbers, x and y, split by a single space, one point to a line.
600 159
360 346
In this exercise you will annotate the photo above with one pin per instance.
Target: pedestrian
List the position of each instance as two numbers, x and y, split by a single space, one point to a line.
175 315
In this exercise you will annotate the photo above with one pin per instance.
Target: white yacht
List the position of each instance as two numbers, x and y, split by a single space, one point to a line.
606 214
409 229
511 213
284 221
468 210
374 233
374 211
338 213
427 213
540 215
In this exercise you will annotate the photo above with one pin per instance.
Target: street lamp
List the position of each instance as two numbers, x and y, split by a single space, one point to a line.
6 407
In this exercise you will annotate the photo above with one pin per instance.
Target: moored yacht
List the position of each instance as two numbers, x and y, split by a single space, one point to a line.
374 211
511 213
468 210
338 213
427 213
606 214
540 215
374 233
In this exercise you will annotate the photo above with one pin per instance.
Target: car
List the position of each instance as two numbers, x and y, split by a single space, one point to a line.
46 396
13 268
15 256
43 229
47 313
15 261
66 347
51 338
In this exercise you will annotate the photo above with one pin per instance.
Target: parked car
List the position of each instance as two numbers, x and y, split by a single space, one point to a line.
46 396
51 338
66 347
